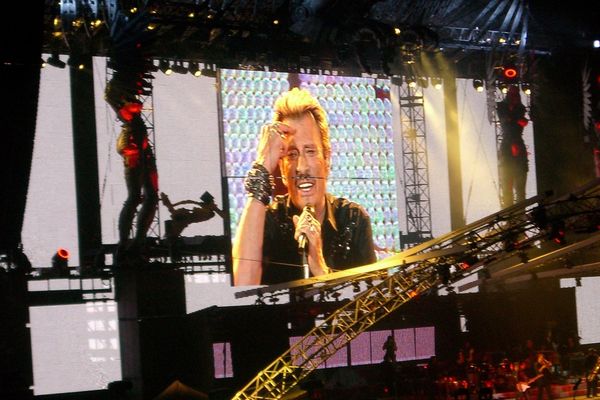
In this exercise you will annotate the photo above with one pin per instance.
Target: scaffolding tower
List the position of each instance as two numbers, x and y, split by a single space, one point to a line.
415 166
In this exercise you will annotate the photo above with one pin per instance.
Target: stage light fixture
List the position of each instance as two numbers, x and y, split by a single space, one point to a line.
60 262
526 88
165 67
75 62
194 69
209 71
423 82
503 87
436 82
510 72
411 81
178 68
55 61
557 232
478 85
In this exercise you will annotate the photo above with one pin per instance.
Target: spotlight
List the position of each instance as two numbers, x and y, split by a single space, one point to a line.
209 71
411 81
510 72
55 61
557 232
60 262
194 69
75 62
423 82
468 262
526 88
436 82
478 85
165 67
179 68
503 87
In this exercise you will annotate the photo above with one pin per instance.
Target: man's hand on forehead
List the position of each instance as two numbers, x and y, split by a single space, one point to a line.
284 130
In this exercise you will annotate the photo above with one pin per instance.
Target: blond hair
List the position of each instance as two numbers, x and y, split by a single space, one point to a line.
298 102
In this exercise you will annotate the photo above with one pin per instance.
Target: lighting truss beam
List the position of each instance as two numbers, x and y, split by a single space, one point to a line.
487 240
336 331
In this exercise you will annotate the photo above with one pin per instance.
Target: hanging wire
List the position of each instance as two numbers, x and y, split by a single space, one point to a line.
110 126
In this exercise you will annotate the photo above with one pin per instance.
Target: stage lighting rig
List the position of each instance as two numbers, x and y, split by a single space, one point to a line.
178 68
60 262
509 74
165 67
436 82
478 85
194 69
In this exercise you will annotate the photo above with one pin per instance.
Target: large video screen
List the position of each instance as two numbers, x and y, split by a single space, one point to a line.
359 113
190 115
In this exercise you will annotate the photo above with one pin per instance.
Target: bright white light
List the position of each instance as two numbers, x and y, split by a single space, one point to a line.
596 43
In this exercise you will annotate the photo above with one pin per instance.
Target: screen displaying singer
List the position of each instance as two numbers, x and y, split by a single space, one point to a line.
337 232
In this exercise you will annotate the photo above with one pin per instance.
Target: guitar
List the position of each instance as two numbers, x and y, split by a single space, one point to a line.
523 386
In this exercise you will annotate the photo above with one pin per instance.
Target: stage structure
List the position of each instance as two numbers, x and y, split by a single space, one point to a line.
415 166
519 239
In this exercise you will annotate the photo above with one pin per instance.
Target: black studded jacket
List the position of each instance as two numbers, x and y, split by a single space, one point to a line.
346 231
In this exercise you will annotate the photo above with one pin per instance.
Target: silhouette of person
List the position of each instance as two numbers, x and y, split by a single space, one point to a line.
390 349
141 176
181 218
542 367
592 369
512 153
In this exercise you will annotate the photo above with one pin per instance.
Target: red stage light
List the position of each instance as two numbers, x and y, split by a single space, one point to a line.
510 72
63 253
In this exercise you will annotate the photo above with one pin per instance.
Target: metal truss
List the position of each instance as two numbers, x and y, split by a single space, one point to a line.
337 330
415 166
148 117
439 262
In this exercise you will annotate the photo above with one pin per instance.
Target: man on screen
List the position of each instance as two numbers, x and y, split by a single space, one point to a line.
336 232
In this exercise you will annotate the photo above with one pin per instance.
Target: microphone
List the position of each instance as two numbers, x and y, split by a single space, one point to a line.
303 239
